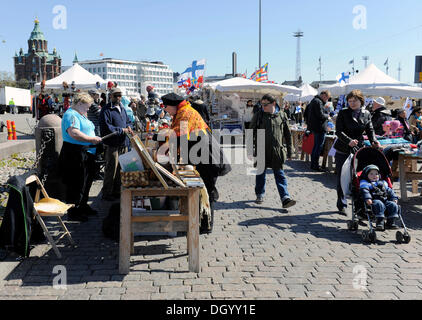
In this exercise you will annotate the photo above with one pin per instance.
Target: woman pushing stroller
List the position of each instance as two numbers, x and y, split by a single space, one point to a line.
380 197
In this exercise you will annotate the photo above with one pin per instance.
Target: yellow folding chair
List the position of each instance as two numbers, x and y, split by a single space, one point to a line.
49 207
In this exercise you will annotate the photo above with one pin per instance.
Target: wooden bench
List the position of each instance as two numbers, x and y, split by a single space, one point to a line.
186 221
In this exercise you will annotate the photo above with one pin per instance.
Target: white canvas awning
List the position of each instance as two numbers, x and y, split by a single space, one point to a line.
373 82
83 79
307 94
239 85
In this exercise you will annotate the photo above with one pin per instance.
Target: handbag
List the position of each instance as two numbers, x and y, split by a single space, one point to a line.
308 143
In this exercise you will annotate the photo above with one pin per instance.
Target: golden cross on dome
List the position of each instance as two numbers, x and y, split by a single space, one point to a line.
36 20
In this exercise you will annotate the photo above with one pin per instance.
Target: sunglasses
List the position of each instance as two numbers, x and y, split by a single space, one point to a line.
117 95
266 104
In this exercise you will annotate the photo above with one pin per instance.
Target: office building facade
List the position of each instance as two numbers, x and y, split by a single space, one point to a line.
133 76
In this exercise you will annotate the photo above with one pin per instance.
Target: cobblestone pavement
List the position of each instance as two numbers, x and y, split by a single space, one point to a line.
254 252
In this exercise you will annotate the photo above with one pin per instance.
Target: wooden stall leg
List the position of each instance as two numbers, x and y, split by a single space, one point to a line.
402 177
415 183
193 231
132 242
125 231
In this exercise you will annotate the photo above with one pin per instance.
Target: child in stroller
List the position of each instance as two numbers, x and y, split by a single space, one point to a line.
377 187
380 197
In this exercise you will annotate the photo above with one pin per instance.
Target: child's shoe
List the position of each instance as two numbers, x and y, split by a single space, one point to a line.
380 224
392 224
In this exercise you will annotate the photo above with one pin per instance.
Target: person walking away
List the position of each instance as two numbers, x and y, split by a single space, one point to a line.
247 118
76 160
317 124
352 122
12 107
202 109
114 119
275 123
407 132
380 114
95 110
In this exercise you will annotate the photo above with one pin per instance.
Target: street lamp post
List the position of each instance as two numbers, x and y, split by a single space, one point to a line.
259 65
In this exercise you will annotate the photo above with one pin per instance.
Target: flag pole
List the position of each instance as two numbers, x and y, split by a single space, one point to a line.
259 66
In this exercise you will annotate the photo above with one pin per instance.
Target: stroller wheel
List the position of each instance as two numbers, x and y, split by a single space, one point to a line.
351 226
406 238
373 236
399 237
365 236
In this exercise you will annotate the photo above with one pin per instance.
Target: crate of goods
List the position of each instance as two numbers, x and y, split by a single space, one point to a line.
135 178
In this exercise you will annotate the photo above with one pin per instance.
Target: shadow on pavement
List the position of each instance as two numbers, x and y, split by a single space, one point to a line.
310 224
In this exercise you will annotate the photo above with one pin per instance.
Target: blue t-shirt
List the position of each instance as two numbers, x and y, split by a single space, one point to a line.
73 119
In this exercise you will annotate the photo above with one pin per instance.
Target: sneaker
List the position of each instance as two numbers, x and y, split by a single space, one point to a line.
380 224
288 203
342 212
87 210
259 200
108 198
76 215
392 224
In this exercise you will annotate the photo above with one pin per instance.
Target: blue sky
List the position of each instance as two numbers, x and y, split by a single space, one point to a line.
179 31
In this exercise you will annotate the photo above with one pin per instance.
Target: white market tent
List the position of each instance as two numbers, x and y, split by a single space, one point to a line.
241 85
307 94
373 82
83 79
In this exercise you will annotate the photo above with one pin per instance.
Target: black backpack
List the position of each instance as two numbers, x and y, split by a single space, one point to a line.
111 223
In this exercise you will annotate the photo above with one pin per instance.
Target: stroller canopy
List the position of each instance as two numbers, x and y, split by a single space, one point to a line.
366 156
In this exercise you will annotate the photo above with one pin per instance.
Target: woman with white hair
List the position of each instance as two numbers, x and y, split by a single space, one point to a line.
77 160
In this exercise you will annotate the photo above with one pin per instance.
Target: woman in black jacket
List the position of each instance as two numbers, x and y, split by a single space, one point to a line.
351 123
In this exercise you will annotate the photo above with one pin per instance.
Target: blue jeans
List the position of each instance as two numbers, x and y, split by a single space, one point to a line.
280 180
319 139
389 209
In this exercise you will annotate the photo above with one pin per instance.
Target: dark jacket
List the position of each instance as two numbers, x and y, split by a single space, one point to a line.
202 110
278 138
94 116
407 133
376 191
348 129
111 120
19 225
317 117
379 116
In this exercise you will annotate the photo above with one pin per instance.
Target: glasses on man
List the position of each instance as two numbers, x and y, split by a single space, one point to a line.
117 95
266 104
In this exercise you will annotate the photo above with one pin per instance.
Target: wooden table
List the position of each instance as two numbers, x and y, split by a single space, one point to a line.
408 170
186 221
297 139
328 144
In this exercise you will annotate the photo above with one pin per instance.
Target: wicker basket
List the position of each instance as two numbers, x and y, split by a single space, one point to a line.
135 179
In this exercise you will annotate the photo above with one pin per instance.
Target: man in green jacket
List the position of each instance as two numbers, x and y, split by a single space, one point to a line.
278 147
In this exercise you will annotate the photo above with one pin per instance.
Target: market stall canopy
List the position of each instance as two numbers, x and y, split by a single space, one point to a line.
245 85
83 79
307 94
372 81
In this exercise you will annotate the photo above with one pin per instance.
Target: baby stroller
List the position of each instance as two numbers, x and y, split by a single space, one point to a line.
360 210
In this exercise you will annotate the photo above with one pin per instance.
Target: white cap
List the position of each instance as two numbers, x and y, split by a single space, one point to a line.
380 101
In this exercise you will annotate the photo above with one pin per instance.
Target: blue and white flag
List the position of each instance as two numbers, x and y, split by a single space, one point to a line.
343 77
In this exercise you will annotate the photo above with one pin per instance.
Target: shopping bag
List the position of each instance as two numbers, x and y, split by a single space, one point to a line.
346 176
332 152
308 143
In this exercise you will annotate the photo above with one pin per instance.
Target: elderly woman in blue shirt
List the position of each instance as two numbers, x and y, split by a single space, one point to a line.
77 158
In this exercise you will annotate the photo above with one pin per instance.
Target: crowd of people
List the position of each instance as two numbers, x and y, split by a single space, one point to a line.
92 116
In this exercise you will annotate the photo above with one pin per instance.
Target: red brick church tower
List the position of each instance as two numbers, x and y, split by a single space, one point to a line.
37 64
